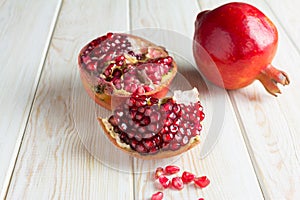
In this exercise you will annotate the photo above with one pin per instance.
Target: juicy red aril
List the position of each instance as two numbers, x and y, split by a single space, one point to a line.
158 172
109 35
103 51
168 137
187 177
110 51
171 169
157 196
202 181
177 183
164 181
92 66
156 126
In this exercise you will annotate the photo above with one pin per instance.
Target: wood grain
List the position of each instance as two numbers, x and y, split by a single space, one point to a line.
270 124
53 162
51 146
24 40
228 166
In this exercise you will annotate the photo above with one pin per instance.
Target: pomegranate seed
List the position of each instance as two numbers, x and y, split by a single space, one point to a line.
145 121
109 35
164 181
120 60
174 146
140 90
202 181
159 171
173 128
92 66
149 144
171 169
168 137
187 177
147 88
202 116
177 183
140 148
201 199
157 196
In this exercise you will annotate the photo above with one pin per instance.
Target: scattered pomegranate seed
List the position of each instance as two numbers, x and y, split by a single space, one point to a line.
159 171
202 181
187 177
171 169
177 183
164 181
157 196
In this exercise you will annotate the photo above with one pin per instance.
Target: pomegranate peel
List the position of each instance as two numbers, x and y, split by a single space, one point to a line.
242 42
151 128
119 64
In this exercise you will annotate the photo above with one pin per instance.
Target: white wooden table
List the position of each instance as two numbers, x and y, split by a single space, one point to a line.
41 156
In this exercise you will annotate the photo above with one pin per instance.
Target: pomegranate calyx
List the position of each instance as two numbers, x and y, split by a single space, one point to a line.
270 76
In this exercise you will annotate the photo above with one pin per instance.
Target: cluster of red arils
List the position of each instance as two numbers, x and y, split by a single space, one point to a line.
164 178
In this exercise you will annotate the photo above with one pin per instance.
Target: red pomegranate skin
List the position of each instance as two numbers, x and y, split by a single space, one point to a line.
242 42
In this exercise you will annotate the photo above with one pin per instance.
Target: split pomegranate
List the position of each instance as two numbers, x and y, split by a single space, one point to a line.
120 64
242 42
150 128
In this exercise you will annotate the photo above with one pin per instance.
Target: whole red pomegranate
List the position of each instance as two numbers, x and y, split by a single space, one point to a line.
242 42
150 128
119 64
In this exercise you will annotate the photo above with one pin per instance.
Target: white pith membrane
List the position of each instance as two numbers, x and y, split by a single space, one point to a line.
186 98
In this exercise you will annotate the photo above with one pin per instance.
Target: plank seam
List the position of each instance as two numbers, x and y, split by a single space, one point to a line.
7 182
290 38
246 142
129 28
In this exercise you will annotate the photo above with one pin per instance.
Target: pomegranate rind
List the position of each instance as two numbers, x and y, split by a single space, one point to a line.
111 93
242 42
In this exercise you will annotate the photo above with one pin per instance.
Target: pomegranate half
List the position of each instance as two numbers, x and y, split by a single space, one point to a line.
119 64
152 128
242 42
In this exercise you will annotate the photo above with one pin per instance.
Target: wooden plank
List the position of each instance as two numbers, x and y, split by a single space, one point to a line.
53 162
24 40
270 125
288 18
228 165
